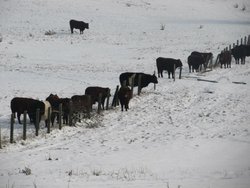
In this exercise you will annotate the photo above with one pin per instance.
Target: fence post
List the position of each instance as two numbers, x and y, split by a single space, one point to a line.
245 40
24 124
237 42
70 113
233 45
107 102
99 103
180 72
60 116
37 121
248 40
12 128
48 122
115 99
139 84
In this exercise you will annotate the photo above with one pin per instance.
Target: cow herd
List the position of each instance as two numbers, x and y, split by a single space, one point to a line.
83 103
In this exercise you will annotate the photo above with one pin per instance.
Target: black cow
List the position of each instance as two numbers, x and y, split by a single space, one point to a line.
146 79
94 92
206 56
225 59
78 25
167 64
195 62
81 103
124 96
55 101
19 105
240 52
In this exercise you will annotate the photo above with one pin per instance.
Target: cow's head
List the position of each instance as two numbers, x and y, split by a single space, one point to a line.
154 79
178 63
87 26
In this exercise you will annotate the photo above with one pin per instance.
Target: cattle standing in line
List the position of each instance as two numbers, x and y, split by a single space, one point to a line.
55 101
19 105
94 92
78 25
146 79
124 96
225 59
167 64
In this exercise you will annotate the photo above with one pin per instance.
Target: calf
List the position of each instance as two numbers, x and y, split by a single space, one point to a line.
78 25
167 64
124 96
94 92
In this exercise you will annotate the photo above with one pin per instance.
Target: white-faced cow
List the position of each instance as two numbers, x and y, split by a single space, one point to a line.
146 79
74 24
167 64
95 92
124 96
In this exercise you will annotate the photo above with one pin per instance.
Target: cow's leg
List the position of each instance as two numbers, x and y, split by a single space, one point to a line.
169 75
18 117
71 28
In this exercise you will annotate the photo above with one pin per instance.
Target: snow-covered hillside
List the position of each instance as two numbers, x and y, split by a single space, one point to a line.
186 133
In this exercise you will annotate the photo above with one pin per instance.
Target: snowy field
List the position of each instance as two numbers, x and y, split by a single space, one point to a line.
184 134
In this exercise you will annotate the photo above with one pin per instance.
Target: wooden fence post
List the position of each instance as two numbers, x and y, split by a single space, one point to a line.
180 72
24 124
139 84
37 121
237 42
12 128
245 40
241 41
70 113
60 116
107 102
99 103
115 99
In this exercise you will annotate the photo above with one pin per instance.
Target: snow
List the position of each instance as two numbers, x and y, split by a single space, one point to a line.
186 133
